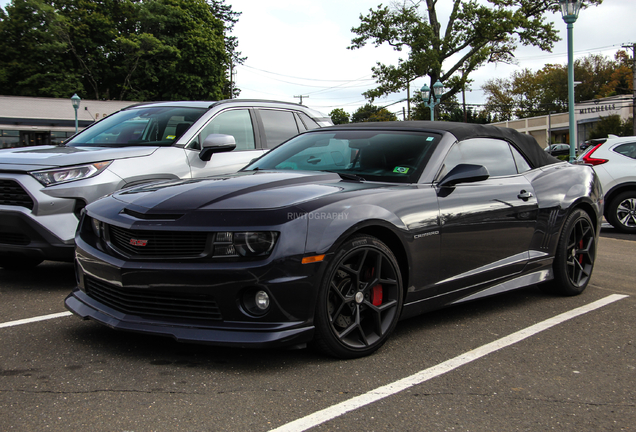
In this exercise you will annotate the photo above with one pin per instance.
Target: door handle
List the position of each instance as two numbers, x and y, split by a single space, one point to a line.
524 195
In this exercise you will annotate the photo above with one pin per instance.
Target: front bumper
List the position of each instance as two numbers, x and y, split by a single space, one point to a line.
240 335
168 298
23 235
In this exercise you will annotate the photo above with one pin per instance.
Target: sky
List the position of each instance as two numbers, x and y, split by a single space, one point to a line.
299 48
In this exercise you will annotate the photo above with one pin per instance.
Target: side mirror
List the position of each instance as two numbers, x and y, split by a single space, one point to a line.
464 173
216 143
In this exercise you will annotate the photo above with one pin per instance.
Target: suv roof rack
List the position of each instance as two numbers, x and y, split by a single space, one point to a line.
224 101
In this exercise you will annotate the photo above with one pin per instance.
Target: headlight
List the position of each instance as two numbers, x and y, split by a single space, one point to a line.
68 174
244 244
254 243
97 226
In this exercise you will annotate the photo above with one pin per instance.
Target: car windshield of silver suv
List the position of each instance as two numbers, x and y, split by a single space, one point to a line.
143 126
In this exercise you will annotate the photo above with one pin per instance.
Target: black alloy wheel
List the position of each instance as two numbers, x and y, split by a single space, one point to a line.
575 255
621 213
360 299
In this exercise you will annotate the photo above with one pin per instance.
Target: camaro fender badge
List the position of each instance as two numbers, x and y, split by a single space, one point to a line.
136 242
428 234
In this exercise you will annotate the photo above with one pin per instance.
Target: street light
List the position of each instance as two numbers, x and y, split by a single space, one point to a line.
75 100
438 90
570 12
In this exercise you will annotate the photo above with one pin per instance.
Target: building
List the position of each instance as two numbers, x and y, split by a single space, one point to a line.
555 128
26 121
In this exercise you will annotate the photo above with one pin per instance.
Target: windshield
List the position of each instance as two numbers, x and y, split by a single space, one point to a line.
390 156
139 126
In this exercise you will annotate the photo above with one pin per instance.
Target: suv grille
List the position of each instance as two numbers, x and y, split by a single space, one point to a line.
173 244
11 193
144 302
14 238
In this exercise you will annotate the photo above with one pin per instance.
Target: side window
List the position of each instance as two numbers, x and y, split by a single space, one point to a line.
628 150
495 155
279 126
237 123
308 121
520 161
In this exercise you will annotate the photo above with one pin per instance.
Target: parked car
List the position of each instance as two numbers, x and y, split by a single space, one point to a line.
45 188
335 235
591 143
614 160
558 149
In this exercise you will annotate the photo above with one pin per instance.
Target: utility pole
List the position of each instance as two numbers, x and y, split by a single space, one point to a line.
301 98
633 48
231 79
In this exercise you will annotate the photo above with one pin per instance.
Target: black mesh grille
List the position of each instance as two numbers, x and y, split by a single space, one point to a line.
11 193
14 238
173 244
142 302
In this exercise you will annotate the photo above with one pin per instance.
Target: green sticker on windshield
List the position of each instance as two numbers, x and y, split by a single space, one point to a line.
401 170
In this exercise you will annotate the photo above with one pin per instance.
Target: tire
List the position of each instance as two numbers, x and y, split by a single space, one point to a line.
575 256
19 263
621 212
359 300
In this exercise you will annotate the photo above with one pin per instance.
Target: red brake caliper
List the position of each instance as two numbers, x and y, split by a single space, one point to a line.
376 295
581 255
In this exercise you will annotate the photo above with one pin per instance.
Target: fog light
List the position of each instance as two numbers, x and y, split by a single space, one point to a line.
255 302
261 299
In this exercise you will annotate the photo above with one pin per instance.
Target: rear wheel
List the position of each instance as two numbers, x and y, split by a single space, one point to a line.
621 212
575 255
360 299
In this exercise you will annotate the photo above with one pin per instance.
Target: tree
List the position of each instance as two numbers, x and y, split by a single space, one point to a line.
527 94
339 116
499 98
475 34
229 17
621 79
611 124
34 61
372 113
118 49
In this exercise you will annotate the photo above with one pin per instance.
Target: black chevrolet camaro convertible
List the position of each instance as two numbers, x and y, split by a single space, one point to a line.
335 235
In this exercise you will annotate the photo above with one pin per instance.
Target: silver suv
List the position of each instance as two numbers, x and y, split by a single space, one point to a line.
614 161
43 189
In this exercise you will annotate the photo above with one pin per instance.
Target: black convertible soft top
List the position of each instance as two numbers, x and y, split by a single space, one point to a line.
526 144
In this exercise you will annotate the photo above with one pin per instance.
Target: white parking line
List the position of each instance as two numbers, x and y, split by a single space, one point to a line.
334 411
34 319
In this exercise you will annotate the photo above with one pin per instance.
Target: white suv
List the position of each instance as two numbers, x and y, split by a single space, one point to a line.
614 161
43 189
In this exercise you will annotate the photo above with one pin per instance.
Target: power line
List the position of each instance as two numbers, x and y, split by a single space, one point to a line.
302 78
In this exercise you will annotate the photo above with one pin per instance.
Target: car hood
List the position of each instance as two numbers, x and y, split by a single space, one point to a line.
241 191
42 157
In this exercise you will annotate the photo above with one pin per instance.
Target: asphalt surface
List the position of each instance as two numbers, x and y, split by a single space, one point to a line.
65 374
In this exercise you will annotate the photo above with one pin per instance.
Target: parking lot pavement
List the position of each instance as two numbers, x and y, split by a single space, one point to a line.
579 375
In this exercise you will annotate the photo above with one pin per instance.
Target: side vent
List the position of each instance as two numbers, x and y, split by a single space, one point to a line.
552 219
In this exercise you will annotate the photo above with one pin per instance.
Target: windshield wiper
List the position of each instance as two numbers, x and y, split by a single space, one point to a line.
347 176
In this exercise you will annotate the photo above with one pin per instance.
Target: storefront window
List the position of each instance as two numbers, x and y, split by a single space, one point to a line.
58 138
9 138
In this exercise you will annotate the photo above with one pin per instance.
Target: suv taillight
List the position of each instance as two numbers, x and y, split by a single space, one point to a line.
588 159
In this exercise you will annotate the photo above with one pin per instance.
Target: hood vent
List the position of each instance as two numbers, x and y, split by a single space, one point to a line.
144 216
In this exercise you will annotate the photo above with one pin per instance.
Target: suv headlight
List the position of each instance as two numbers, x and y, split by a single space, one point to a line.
55 176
